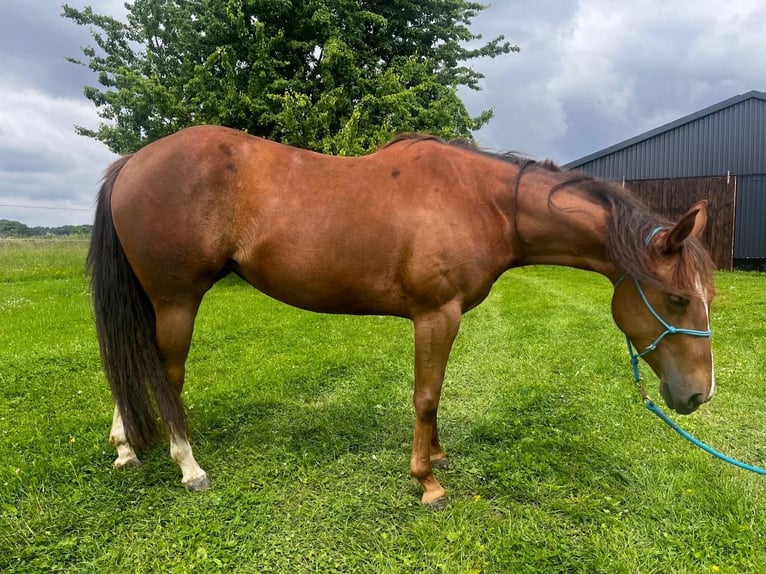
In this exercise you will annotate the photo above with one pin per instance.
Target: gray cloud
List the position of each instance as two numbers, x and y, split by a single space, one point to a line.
597 72
43 162
34 41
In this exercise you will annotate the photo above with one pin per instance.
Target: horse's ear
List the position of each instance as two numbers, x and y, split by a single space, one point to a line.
692 223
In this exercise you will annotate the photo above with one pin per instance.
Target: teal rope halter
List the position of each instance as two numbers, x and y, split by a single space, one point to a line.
669 330
634 358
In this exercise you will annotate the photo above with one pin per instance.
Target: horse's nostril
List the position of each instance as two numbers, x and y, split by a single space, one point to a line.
696 400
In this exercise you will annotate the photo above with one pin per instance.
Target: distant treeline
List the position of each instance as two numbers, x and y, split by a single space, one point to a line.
9 228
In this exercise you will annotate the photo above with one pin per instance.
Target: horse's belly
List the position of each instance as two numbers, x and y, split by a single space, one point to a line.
327 282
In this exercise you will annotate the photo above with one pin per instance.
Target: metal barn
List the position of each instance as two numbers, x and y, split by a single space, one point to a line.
718 154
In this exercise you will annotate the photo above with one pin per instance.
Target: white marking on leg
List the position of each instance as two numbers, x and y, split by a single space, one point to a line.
126 456
193 477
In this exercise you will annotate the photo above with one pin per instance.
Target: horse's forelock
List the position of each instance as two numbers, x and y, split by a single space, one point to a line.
695 267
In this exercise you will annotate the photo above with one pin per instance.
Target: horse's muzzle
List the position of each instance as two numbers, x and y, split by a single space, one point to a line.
681 407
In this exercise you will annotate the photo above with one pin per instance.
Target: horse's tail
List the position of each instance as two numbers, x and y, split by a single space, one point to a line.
125 324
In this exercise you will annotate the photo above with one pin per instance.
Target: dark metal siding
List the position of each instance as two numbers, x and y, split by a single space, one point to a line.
732 139
750 232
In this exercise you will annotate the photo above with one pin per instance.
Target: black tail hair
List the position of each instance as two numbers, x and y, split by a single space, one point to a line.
125 324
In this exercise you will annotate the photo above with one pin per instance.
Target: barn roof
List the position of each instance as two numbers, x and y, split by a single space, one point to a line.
753 94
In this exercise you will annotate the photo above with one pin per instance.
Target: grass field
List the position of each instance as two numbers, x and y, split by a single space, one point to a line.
303 423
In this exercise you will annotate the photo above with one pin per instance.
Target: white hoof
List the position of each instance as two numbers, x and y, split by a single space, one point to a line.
127 462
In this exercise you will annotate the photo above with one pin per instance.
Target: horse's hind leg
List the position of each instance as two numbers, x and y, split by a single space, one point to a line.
126 456
175 324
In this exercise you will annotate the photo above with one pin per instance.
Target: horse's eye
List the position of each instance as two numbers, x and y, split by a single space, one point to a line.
677 301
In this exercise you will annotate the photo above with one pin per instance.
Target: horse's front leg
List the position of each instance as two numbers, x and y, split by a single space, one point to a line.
438 456
435 332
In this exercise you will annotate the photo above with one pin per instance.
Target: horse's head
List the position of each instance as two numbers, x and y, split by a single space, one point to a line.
670 328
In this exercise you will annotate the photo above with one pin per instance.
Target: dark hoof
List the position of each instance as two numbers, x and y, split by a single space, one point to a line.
198 484
440 503
441 464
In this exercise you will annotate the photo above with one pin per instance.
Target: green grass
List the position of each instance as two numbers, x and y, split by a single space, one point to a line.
304 422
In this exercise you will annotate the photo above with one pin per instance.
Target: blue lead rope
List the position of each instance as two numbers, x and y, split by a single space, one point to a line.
634 358
656 410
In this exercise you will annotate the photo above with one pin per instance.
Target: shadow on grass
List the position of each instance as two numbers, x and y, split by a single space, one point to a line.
324 429
535 445
543 444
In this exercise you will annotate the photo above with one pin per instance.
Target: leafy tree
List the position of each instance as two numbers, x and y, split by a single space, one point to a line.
339 76
10 228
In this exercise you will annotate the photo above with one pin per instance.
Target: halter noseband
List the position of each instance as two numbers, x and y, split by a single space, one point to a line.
669 329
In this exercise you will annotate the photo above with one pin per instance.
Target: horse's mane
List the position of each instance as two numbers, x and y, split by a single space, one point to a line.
629 225
468 144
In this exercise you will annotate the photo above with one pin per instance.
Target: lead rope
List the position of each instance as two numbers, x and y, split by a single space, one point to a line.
649 403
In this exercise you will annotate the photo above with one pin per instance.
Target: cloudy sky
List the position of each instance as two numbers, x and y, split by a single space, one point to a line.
590 74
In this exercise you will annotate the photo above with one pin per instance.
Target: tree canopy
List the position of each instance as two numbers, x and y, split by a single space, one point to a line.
338 76
12 228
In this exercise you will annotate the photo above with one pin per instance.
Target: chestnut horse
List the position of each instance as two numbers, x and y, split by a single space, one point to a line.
419 229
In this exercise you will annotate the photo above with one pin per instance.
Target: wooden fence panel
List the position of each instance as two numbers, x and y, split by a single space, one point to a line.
673 197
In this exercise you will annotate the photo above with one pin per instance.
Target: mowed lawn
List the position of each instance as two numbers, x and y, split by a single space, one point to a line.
303 423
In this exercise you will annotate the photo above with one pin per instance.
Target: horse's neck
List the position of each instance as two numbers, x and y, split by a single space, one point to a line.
571 232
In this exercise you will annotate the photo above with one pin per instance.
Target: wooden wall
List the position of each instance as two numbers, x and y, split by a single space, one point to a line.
673 197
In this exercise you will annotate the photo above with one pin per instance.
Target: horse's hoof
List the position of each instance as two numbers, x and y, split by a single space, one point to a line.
441 464
438 504
201 483
435 498
131 462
